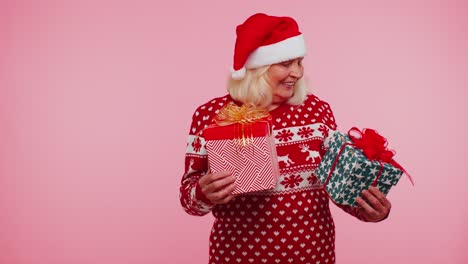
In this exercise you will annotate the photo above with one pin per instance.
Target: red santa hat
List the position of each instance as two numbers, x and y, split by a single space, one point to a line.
264 40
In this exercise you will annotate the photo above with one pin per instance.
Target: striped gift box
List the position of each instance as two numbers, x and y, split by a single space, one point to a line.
247 151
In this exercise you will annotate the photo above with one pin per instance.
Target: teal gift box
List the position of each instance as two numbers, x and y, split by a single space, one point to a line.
346 171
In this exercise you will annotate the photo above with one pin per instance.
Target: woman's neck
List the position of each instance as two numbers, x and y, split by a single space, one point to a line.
273 107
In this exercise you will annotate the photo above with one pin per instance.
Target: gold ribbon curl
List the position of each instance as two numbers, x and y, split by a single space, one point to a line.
243 115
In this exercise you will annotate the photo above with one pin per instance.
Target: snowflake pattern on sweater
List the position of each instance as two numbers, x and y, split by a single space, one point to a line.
288 224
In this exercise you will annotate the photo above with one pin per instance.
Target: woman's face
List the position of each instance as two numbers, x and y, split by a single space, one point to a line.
282 78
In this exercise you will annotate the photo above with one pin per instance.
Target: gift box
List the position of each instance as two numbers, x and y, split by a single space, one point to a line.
247 150
352 164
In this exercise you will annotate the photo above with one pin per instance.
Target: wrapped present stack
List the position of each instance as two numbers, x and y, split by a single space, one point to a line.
241 142
354 163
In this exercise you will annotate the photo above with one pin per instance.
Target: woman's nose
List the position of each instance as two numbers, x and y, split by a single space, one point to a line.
296 70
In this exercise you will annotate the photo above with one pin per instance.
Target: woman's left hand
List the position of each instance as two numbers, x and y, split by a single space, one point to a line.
375 206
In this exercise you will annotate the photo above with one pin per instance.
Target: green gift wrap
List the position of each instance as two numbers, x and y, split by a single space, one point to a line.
353 171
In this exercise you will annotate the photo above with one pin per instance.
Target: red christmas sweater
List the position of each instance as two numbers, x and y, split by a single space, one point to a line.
289 224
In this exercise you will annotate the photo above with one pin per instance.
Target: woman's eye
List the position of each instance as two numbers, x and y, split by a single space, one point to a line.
286 64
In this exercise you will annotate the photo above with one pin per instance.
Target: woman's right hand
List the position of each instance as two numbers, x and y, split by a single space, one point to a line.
218 186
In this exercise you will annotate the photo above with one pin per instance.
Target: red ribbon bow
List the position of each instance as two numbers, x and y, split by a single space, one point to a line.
374 147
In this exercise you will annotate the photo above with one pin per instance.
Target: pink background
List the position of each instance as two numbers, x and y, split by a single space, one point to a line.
96 99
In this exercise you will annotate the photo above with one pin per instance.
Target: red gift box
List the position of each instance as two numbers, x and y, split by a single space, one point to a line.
248 151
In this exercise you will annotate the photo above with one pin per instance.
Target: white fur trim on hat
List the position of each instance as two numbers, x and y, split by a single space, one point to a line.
239 74
285 50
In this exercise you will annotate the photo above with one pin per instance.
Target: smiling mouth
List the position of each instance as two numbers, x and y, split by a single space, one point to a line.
289 84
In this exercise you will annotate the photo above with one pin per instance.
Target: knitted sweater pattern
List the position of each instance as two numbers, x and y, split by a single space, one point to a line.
288 224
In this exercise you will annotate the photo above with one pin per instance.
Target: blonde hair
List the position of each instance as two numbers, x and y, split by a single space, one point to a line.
254 89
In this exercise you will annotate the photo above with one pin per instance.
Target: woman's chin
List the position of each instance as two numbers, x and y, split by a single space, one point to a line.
279 99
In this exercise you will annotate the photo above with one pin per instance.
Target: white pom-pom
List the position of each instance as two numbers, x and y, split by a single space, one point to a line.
239 74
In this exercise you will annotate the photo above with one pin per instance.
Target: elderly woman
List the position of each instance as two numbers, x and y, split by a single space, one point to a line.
292 222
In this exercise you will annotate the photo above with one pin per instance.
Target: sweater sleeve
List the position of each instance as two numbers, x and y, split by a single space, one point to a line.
329 120
191 197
